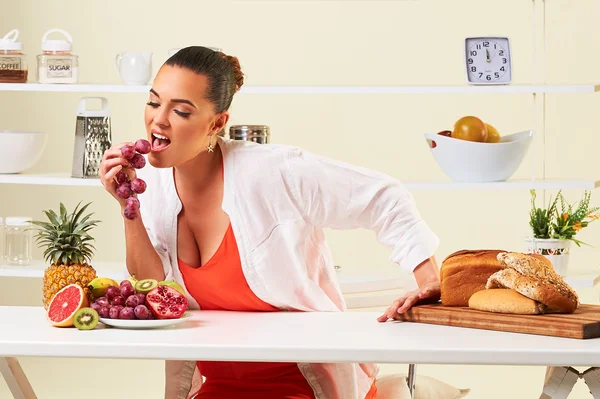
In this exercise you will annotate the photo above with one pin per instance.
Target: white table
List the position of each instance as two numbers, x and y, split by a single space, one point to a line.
291 336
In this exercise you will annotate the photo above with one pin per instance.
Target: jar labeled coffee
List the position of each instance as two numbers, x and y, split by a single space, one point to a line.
257 133
13 63
57 63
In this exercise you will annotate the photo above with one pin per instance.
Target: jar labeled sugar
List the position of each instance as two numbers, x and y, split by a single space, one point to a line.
13 63
57 63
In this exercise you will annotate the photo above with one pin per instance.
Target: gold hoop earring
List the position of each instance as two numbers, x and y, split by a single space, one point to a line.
210 147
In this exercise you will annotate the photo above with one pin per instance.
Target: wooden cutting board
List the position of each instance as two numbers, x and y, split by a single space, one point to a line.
583 324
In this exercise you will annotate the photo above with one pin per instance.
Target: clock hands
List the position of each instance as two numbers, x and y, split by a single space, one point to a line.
487 55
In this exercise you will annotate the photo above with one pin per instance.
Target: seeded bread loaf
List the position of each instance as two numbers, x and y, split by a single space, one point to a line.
463 273
536 279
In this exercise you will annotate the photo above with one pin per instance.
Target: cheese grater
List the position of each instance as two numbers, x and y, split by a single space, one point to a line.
92 138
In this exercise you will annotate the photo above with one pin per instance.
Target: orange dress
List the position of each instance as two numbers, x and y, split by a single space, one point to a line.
220 285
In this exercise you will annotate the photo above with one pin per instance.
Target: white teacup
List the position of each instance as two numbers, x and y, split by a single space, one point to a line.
134 68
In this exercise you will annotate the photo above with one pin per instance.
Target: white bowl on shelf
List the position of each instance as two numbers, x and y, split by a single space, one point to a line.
20 150
471 162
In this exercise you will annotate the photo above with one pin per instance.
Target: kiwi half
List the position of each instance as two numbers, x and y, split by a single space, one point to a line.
86 319
145 286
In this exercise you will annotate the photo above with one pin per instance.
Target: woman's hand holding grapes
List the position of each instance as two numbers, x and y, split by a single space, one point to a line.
117 174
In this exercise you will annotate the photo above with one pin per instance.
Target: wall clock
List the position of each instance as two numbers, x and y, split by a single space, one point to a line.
488 60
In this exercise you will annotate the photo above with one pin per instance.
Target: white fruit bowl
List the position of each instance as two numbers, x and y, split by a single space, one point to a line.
20 150
469 162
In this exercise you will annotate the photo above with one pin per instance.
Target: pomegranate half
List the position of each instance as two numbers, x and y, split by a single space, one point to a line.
166 303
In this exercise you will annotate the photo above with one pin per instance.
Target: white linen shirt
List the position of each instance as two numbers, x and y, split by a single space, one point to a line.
279 199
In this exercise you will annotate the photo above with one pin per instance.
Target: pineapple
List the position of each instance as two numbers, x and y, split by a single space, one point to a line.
66 240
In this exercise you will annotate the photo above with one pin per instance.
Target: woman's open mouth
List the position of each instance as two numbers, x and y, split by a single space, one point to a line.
159 142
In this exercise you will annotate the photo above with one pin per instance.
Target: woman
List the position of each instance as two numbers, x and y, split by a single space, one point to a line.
240 225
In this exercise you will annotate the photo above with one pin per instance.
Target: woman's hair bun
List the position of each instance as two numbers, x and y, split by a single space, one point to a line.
237 71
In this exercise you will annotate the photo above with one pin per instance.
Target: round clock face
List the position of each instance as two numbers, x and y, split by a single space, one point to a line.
488 60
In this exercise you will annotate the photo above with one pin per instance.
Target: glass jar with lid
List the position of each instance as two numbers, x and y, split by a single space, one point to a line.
13 63
57 63
17 240
257 133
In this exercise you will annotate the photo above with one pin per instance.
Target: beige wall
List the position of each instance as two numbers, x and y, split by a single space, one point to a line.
350 43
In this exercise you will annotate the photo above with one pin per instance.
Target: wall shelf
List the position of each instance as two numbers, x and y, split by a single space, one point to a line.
512 184
448 89
48 180
37 267
516 184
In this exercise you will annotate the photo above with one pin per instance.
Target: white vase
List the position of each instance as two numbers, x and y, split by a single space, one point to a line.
555 250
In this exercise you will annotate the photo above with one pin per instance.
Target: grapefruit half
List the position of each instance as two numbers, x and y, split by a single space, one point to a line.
64 304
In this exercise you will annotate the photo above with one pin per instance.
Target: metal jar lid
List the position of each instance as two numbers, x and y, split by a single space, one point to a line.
257 133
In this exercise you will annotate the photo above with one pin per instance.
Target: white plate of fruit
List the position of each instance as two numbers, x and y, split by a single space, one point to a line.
142 304
144 324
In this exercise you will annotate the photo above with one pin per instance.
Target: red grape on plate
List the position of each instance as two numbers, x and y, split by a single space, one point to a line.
128 151
104 312
127 314
143 146
132 301
111 292
118 300
114 311
104 301
127 290
96 306
141 312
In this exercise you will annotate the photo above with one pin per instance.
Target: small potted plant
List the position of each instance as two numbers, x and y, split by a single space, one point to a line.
554 228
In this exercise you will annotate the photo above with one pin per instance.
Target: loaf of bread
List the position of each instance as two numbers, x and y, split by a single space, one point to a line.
463 273
536 279
504 300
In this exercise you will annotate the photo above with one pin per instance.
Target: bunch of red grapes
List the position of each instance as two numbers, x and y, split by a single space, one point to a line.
128 188
122 303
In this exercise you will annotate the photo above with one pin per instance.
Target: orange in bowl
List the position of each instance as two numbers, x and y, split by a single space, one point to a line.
493 135
470 128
